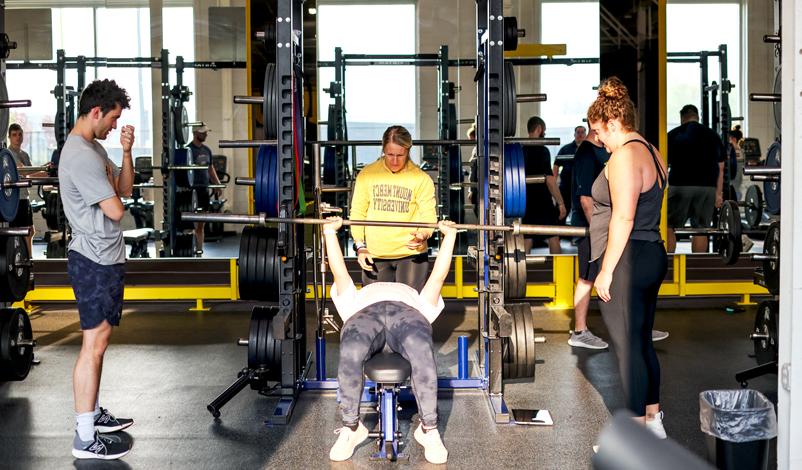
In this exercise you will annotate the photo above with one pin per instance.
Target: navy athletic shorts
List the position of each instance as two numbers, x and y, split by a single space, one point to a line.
98 290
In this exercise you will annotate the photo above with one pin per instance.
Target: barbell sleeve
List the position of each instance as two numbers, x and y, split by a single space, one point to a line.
16 184
15 104
194 124
32 169
244 144
249 99
772 38
763 257
762 171
186 167
216 186
531 98
147 186
259 219
334 189
764 178
242 342
540 179
759 336
16 231
765 97
535 259
242 181
699 231
43 180
26 342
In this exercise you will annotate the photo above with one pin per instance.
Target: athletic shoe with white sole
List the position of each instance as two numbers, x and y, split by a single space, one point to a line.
347 441
655 425
433 448
106 422
102 448
658 335
586 339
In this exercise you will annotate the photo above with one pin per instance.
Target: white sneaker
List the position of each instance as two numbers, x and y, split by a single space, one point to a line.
746 244
433 448
656 426
343 449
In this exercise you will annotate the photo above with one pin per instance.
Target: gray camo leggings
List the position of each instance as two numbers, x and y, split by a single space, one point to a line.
407 332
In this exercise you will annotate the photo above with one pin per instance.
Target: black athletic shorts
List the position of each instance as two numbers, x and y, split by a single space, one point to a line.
98 290
24 217
587 270
203 199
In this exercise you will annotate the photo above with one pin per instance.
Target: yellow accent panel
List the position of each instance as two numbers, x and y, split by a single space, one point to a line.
139 293
537 50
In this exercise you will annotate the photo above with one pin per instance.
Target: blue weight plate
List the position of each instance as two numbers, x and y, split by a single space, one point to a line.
511 164
260 178
508 200
517 180
271 162
519 151
9 197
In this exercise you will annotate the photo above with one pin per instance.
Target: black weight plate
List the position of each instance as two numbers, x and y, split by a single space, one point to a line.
246 262
520 262
754 206
766 323
771 189
329 165
452 121
510 33
454 164
269 106
15 275
514 259
510 111
777 107
253 336
729 220
268 349
272 272
261 262
180 125
9 197
519 329
771 268
456 206
15 360
4 112
183 178
529 334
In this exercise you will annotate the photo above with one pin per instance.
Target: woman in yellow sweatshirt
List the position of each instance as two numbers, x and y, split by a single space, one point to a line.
396 189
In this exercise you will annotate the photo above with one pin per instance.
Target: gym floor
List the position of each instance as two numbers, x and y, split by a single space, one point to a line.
165 364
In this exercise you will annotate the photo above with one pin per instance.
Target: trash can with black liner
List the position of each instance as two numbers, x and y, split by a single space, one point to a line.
739 425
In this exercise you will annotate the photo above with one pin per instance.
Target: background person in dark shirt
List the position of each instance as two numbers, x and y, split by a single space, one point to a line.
589 161
580 133
540 207
202 155
696 177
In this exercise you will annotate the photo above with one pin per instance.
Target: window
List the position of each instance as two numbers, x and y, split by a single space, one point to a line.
83 31
684 80
569 88
376 96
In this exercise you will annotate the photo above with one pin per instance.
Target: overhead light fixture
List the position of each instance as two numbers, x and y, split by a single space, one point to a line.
313 11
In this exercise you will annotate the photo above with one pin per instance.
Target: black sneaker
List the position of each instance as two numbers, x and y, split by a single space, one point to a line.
106 423
102 448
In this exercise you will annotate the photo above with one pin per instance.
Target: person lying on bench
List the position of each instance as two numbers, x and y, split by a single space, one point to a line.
395 314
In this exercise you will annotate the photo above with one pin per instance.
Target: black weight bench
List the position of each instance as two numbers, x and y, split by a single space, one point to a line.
138 239
389 370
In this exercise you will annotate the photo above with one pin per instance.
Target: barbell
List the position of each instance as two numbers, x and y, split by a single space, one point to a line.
378 143
262 219
5 105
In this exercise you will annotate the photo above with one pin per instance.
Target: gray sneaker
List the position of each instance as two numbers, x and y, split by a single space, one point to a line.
658 335
586 339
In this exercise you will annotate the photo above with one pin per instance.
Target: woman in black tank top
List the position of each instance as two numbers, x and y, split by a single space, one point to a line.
625 240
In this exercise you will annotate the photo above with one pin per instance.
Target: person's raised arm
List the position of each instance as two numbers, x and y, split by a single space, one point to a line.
625 184
335 254
442 264
125 180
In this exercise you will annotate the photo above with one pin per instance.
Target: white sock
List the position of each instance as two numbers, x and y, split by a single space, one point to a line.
85 425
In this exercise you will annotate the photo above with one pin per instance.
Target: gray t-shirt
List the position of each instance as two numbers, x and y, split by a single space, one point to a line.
21 158
201 155
83 183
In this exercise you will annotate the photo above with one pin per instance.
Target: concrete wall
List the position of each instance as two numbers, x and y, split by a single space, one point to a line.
759 66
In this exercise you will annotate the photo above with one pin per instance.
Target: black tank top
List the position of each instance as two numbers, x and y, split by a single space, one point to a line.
646 225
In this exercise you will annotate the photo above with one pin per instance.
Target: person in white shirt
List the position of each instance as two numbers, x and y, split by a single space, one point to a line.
395 314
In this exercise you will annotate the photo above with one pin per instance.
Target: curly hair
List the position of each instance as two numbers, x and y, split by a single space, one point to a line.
398 135
613 103
103 93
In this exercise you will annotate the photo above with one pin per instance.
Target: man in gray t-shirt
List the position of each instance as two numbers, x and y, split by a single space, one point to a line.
91 185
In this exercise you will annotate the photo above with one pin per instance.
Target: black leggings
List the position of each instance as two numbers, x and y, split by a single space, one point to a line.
629 316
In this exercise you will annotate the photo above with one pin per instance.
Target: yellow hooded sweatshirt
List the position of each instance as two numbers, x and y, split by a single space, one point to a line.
380 194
